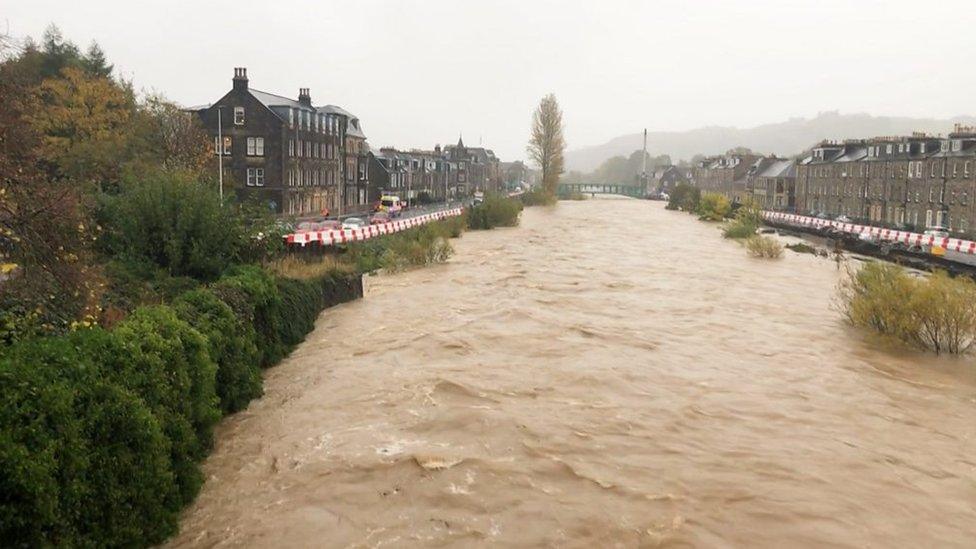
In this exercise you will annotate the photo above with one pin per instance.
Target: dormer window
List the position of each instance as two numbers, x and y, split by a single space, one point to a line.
957 144
944 146
888 149
238 116
922 148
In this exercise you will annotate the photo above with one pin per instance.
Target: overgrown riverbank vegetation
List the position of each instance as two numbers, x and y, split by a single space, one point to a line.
934 312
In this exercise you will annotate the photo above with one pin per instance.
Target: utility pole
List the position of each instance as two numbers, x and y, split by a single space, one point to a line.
220 154
644 165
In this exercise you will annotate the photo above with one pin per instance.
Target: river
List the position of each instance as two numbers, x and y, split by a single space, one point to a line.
608 374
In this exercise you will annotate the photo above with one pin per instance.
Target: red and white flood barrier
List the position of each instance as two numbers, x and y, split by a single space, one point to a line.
890 235
342 236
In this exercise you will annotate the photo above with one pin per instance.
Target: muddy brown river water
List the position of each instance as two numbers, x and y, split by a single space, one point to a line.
609 374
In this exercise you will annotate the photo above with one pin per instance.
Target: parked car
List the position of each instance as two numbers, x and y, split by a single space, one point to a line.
379 218
353 223
842 219
938 232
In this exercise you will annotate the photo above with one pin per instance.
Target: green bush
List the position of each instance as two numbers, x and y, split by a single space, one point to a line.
231 345
713 207
495 211
684 197
765 247
738 229
301 302
418 246
175 222
163 360
937 313
83 461
258 306
537 197
748 218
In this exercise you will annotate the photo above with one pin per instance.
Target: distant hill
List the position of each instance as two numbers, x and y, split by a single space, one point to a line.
783 138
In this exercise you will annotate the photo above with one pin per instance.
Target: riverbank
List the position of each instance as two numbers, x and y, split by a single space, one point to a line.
575 387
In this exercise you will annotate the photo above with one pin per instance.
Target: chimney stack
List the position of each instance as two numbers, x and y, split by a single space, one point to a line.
304 98
240 78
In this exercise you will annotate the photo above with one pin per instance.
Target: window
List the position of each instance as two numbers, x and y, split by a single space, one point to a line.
238 116
918 169
291 147
255 146
291 178
291 118
888 149
928 218
931 194
308 148
965 169
299 147
226 148
932 169
255 177
955 169
316 123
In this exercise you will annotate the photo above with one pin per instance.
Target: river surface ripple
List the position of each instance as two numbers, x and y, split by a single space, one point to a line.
607 374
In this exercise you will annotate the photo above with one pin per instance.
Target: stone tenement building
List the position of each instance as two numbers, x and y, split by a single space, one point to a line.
287 153
915 182
725 175
908 182
456 170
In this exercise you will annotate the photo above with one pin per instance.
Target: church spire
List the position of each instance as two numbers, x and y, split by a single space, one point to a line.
460 142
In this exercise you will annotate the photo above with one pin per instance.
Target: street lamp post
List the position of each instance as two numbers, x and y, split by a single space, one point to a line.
220 153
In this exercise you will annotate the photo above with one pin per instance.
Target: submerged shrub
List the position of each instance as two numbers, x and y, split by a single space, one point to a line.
713 207
738 229
937 313
748 218
537 197
684 197
495 211
419 246
765 247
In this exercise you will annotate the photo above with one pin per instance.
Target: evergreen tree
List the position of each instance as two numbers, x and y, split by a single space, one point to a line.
95 63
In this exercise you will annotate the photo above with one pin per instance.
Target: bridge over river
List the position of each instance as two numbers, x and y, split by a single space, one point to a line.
635 190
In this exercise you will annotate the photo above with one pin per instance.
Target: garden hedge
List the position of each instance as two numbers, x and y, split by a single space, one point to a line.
102 432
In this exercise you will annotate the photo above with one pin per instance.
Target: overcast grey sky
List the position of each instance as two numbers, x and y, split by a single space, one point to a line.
418 73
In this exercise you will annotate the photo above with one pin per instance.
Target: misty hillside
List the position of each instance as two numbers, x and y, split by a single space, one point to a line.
784 138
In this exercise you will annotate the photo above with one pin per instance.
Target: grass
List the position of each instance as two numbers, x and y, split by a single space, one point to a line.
300 268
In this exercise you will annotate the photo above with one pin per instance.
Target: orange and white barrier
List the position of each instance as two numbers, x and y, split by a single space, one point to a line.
890 235
342 236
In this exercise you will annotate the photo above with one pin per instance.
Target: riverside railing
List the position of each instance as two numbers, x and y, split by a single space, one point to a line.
881 234
332 237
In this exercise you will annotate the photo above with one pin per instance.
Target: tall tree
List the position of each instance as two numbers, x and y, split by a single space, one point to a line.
95 62
547 145
85 126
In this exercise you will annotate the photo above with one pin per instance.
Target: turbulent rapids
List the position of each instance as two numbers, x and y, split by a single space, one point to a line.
607 374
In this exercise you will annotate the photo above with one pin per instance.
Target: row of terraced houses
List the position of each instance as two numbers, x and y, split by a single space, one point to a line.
913 182
303 159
